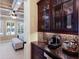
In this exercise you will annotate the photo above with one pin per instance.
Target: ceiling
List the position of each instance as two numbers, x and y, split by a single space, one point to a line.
7 6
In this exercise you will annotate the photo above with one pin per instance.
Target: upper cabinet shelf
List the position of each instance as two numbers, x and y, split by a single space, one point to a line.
59 16
59 2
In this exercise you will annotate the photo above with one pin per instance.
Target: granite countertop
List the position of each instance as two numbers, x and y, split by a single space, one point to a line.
58 53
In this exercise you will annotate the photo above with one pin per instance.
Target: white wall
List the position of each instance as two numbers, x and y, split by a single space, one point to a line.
30 19
33 20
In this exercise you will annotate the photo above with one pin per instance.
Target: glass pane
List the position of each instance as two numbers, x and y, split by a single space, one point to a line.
10 28
57 17
56 2
8 23
46 17
12 24
20 28
68 13
68 7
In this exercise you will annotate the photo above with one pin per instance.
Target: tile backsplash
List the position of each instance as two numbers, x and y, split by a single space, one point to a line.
46 36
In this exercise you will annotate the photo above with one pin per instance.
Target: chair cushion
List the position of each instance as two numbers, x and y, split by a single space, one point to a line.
17 44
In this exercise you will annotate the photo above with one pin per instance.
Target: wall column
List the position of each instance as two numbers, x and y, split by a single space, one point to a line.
27 29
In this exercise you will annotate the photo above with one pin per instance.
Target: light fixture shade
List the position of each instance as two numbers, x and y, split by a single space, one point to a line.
19 3
16 4
14 17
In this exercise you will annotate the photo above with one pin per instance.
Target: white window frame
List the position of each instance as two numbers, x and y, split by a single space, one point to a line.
20 27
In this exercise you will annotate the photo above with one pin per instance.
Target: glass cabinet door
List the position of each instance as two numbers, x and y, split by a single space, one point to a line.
68 15
63 16
46 17
57 17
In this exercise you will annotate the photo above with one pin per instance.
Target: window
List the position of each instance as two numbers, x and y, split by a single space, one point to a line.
10 28
20 27
1 27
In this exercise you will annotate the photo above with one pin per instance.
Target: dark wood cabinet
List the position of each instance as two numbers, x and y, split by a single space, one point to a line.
44 16
59 16
65 16
37 53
